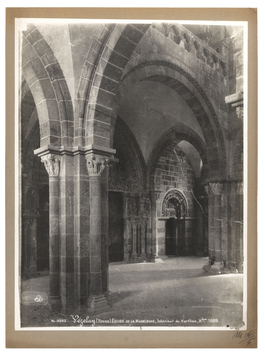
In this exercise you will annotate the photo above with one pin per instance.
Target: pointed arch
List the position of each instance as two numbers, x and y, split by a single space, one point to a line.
100 100
172 137
48 86
175 77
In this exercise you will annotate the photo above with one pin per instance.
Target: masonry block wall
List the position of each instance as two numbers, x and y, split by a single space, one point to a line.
173 170
213 77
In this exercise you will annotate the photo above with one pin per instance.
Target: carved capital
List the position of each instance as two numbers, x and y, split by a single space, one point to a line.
52 164
216 188
96 164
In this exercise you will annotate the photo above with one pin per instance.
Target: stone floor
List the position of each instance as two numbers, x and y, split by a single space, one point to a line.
173 292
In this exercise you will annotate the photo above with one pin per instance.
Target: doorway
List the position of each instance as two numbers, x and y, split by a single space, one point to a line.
174 236
171 236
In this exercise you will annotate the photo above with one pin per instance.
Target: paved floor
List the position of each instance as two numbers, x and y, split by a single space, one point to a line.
174 292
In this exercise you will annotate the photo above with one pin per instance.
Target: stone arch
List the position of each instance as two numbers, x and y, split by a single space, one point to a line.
46 81
171 209
27 108
85 82
184 84
100 95
174 135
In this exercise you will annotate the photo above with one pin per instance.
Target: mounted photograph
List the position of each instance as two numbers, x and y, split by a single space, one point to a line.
131 174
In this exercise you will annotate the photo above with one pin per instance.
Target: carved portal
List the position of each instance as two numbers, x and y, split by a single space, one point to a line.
174 204
52 164
96 164
132 206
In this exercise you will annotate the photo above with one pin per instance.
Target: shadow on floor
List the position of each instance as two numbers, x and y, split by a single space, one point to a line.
176 292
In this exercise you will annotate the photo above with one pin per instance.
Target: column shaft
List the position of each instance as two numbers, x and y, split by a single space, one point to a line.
104 232
95 236
54 231
217 227
98 237
134 225
211 240
81 229
143 236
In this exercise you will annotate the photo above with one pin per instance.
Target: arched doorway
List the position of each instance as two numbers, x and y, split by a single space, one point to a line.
175 208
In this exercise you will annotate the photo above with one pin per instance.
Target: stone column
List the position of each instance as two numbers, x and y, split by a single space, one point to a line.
29 248
127 240
215 222
225 230
81 229
216 227
52 165
214 191
97 300
188 240
236 236
143 238
240 219
127 230
105 230
134 237
198 228
155 224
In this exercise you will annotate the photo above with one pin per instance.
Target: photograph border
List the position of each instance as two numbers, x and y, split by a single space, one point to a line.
133 338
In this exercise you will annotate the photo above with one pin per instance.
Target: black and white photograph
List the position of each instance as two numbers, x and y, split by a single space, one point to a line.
131 174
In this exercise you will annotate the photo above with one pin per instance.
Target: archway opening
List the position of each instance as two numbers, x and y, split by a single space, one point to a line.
174 238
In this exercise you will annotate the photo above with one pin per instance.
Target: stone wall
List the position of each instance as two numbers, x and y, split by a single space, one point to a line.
173 170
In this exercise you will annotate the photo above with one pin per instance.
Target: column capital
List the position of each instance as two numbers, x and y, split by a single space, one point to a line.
96 164
52 164
214 188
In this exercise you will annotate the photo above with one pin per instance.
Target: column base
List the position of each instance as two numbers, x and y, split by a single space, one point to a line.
157 259
135 258
98 304
233 268
216 268
126 258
